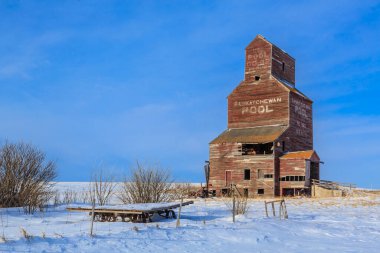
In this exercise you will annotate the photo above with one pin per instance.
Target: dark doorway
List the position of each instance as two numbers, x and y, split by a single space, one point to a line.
314 170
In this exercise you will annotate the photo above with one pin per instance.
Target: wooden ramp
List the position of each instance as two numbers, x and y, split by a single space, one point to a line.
130 212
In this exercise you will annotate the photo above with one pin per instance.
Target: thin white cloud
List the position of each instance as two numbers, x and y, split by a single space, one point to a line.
28 54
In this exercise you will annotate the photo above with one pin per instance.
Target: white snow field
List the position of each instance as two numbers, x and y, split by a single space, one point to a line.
314 225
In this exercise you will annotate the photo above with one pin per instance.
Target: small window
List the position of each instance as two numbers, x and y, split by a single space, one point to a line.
260 191
268 175
257 78
246 192
292 178
247 174
283 66
283 146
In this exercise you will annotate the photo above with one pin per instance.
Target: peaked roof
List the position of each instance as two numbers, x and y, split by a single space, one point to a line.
291 88
262 134
307 154
259 36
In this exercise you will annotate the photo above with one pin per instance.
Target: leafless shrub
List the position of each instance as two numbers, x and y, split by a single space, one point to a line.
146 185
85 197
69 197
2 237
58 235
184 190
102 187
241 204
25 177
56 198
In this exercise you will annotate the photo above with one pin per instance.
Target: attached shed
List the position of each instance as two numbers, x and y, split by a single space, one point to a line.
297 169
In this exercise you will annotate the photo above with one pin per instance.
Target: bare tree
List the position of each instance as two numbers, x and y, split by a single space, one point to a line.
146 185
25 177
102 187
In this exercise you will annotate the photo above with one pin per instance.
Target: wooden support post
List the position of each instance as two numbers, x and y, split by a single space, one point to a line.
285 211
92 218
179 214
233 203
274 211
266 209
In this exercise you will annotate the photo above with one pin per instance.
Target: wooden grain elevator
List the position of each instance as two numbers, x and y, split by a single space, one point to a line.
267 148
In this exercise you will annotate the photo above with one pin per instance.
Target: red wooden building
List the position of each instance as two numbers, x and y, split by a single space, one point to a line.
267 149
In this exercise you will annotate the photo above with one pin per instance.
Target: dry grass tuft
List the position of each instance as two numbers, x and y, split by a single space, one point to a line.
26 235
58 235
241 205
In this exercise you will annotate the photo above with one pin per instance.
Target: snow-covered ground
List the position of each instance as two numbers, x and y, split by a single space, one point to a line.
323 225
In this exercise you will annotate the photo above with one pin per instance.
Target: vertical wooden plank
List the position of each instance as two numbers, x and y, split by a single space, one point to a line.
233 204
179 213
92 218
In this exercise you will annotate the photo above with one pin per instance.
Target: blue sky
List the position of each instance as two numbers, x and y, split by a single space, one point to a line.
106 83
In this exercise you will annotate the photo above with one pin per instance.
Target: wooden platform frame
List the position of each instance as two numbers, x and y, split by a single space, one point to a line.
283 213
111 215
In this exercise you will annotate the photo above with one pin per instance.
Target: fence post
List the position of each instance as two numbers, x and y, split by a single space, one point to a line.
92 218
179 213
266 209
233 203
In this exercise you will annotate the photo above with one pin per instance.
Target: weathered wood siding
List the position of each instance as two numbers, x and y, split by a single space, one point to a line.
266 97
299 135
227 156
283 65
292 167
258 57
260 104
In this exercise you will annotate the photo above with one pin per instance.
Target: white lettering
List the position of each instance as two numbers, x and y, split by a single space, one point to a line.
256 109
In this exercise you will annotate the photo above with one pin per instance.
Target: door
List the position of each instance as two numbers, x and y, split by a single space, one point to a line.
228 178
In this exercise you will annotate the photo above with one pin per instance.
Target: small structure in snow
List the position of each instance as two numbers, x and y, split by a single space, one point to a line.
131 212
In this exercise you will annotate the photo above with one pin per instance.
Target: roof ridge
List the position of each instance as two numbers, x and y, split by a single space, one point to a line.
275 125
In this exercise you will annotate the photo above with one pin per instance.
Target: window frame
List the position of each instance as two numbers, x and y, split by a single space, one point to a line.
245 174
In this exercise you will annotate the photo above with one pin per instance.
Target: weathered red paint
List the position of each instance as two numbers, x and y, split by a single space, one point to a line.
266 98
